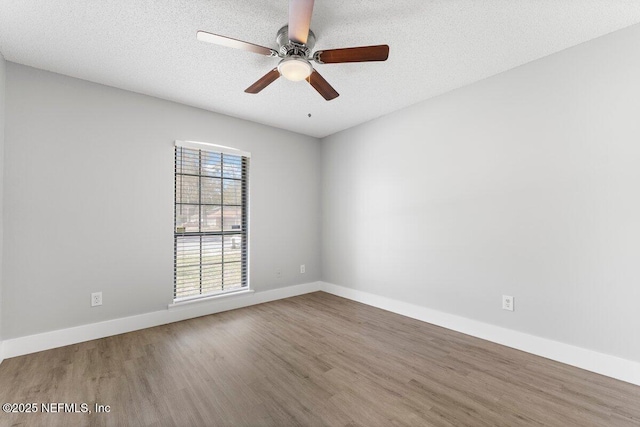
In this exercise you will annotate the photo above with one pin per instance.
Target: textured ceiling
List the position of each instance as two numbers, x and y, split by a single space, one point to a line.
150 47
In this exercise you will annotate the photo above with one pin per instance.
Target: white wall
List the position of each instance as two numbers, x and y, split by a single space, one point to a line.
524 184
2 96
89 200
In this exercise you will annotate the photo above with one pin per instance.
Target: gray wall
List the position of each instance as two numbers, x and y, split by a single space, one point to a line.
2 96
89 200
524 184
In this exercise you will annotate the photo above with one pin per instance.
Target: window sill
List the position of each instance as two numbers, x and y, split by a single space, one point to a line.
210 298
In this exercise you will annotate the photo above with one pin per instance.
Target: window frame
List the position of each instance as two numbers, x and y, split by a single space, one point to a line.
244 233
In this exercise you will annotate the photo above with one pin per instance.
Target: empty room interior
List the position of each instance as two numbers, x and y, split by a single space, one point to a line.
288 212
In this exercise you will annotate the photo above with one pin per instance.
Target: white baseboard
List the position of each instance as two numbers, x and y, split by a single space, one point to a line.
59 338
604 364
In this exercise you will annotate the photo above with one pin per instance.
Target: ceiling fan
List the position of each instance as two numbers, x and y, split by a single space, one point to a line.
295 43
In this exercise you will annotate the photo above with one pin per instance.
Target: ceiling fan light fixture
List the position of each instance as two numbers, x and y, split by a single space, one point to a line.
295 68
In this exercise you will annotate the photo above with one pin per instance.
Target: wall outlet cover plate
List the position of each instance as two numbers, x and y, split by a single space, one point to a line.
507 302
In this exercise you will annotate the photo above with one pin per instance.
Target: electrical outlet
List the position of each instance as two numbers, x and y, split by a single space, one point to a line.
96 299
302 269
507 302
278 273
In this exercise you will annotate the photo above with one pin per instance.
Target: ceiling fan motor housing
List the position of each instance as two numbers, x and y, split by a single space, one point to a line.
289 48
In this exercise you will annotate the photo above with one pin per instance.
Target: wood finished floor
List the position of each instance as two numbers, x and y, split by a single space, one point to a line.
314 360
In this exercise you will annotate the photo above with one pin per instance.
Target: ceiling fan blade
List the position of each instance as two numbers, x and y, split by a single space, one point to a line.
322 86
236 44
299 20
352 54
264 81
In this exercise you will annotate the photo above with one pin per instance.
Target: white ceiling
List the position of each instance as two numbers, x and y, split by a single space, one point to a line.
150 47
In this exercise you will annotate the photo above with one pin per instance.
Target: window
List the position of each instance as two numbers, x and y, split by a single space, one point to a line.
211 227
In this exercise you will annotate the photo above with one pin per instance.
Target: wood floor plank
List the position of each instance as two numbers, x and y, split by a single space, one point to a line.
316 360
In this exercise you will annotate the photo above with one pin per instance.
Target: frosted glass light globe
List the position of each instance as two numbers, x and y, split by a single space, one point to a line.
295 68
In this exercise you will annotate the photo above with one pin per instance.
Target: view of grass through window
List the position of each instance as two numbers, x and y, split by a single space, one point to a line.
210 235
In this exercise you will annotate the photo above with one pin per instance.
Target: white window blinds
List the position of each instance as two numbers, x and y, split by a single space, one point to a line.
211 220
